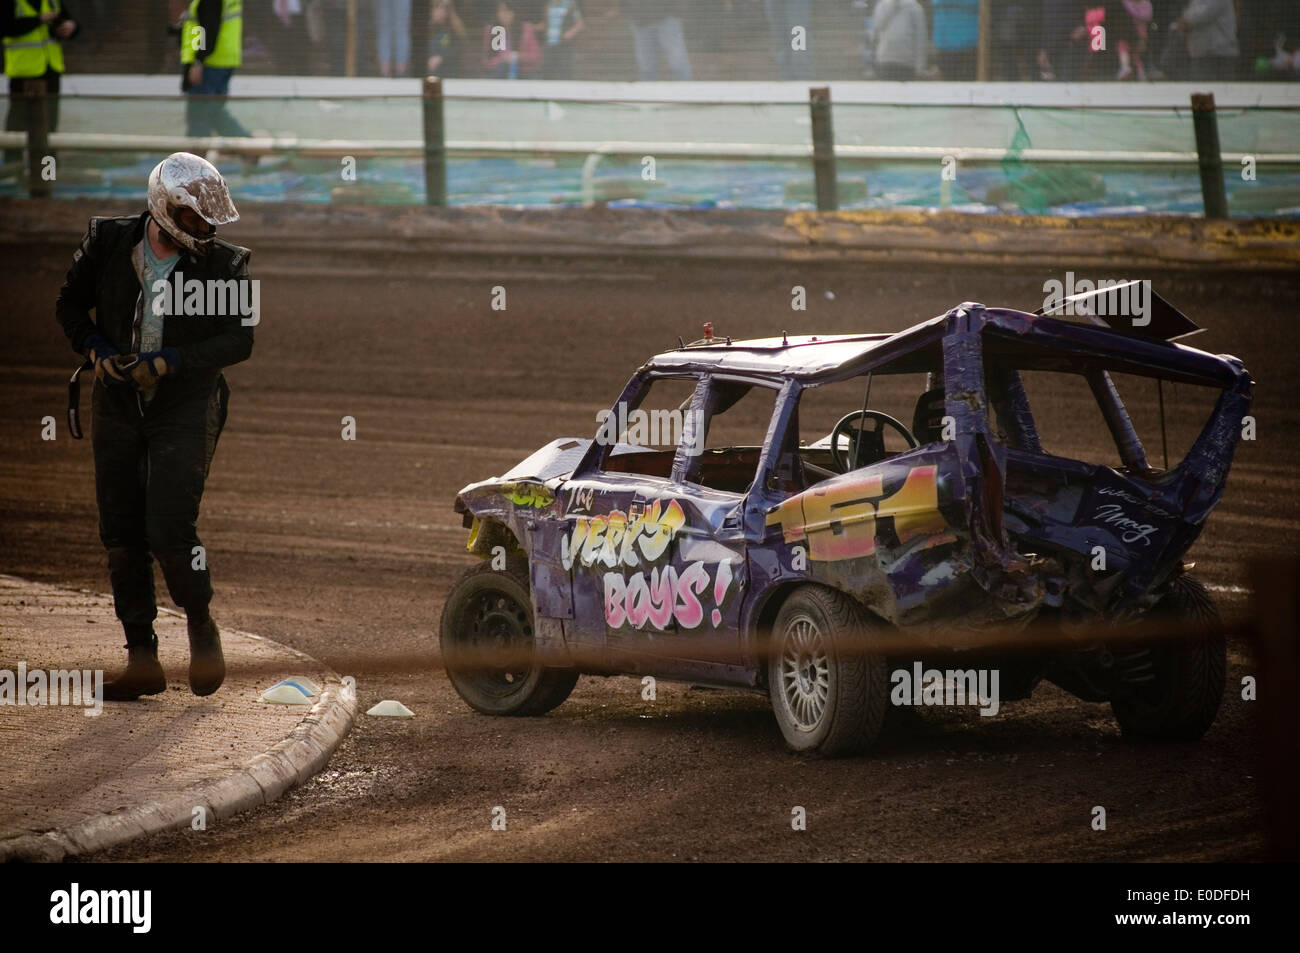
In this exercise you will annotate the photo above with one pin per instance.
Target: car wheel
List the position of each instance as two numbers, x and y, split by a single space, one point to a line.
488 645
1185 678
829 694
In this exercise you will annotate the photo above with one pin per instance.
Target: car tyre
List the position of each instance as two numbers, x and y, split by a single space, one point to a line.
830 695
1182 700
489 647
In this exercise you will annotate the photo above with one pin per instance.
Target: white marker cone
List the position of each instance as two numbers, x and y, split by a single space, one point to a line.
391 709
291 691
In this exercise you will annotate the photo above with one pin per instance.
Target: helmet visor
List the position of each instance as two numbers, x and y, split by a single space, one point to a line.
213 200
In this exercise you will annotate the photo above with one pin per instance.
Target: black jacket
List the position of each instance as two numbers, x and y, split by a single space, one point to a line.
103 279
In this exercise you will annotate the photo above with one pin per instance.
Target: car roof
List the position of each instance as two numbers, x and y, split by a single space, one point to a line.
816 359
799 356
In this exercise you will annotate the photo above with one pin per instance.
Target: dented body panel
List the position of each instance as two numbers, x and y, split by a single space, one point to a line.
633 573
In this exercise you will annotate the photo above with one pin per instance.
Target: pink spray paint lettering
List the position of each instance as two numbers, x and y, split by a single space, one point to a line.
664 596
655 596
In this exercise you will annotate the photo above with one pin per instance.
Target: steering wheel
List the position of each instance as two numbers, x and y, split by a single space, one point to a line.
865 445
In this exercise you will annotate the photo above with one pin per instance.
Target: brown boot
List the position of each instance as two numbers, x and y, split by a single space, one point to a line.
143 675
207 665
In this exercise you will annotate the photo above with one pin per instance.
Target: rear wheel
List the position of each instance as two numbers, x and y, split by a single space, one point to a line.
489 648
828 692
1184 678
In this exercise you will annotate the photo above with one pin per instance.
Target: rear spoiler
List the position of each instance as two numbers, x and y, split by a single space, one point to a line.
1129 307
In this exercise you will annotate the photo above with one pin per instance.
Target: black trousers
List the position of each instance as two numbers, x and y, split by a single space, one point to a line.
150 469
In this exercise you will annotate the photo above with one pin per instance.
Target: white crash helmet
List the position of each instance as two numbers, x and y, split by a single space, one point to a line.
184 180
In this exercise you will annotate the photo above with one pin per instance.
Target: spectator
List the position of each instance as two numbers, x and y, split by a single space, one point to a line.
393 35
656 29
1104 26
1210 27
510 47
1014 28
446 32
784 16
956 35
1058 54
32 30
1133 43
212 48
901 39
561 23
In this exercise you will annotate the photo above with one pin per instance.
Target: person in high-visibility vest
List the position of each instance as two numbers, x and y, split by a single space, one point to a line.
32 30
212 47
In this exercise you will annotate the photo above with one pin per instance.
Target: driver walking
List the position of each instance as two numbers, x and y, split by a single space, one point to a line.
159 401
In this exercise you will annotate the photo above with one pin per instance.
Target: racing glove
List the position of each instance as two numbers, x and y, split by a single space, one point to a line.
98 351
111 370
143 371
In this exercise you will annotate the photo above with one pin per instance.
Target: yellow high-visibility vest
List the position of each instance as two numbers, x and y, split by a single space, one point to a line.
35 51
229 50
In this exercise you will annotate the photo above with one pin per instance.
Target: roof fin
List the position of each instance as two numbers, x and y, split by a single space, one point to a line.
785 339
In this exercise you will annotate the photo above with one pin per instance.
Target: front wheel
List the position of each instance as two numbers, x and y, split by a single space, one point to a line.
1183 678
829 693
488 645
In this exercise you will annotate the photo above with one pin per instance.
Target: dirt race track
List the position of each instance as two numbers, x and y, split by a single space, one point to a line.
347 549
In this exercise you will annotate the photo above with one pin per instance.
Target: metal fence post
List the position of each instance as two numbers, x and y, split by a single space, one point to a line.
1208 157
819 104
38 138
435 146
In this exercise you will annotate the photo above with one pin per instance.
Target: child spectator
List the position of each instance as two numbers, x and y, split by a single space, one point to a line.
510 47
1059 52
561 22
1104 28
446 33
1133 43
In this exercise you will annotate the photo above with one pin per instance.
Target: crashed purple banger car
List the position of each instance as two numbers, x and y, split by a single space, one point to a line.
773 567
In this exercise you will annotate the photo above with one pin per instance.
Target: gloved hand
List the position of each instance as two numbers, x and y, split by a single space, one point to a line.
99 347
104 356
143 371
111 371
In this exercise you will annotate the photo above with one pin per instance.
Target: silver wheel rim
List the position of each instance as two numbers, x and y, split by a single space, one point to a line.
805 673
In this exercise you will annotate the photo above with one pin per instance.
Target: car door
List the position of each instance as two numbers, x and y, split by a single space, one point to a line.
622 514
